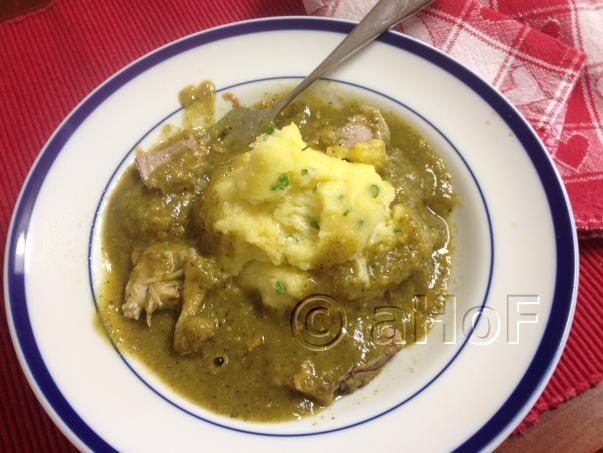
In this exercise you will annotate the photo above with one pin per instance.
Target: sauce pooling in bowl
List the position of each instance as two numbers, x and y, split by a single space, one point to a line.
265 283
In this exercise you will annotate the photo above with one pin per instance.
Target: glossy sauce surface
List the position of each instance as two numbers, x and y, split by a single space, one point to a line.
246 369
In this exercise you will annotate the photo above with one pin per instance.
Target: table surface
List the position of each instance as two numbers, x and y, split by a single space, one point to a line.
576 426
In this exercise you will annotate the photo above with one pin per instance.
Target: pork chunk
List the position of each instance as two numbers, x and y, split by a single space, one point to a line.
194 326
312 384
146 163
372 119
155 282
366 125
352 133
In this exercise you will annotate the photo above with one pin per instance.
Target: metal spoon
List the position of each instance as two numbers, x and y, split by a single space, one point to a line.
243 124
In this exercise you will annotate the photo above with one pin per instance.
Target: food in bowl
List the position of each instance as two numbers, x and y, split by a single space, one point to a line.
259 281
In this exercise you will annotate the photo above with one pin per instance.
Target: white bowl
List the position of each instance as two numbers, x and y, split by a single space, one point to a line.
465 389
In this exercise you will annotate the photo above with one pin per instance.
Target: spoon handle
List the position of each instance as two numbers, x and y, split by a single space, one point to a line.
380 18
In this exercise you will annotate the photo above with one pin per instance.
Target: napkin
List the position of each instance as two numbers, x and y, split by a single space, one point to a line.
544 56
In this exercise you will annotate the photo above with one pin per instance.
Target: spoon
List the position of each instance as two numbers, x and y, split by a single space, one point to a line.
243 124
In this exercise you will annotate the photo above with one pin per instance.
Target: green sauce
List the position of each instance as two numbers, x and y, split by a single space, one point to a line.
246 368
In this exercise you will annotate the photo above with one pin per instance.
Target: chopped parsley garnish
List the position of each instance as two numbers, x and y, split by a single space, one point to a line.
347 211
305 147
374 189
279 288
283 181
270 130
360 223
304 171
314 224
340 196
397 229
293 237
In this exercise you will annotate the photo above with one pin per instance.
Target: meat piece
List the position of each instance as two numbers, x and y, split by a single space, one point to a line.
373 119
364 126
360 375
146 163
361 127
354 132
309 382
194 326
173 276
155 282
312 384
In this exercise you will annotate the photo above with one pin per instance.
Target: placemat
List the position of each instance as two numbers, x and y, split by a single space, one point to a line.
50 60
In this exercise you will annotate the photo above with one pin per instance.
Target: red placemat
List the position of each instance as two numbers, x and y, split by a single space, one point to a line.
50 60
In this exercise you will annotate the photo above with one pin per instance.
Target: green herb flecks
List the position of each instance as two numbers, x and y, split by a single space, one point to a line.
283 181
279 288
293 237
305 147
397 229
374 190
270 130
347 211
304 171
314 224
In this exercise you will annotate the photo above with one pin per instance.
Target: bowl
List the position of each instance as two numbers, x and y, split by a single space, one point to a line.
463 388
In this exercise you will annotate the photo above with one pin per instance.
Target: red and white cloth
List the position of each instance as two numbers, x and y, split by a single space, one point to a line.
545 56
